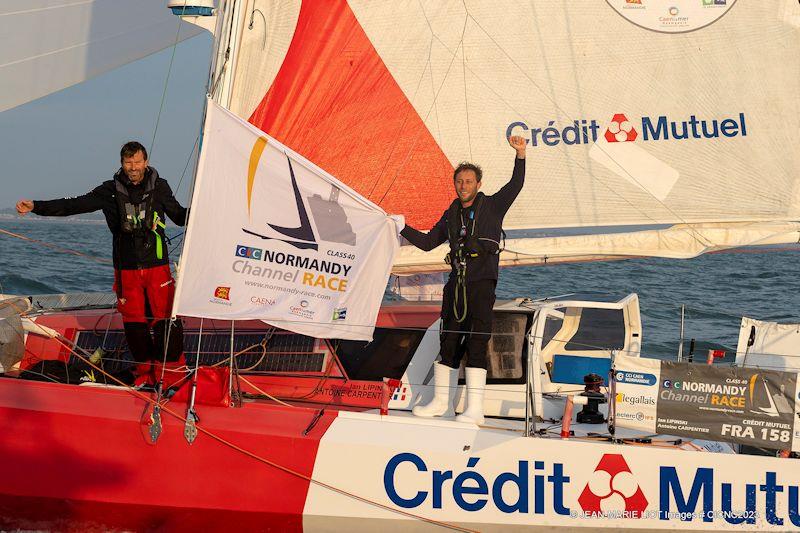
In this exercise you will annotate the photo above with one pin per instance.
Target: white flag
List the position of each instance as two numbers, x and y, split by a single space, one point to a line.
271 236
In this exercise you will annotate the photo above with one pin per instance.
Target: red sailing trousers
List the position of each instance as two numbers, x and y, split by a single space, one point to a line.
145 294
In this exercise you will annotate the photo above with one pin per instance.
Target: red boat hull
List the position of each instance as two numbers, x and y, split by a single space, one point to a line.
79 457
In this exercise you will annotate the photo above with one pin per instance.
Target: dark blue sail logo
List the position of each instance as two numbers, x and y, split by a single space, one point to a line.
329 216
302 237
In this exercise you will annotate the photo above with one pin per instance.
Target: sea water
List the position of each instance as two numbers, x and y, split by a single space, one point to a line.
716 289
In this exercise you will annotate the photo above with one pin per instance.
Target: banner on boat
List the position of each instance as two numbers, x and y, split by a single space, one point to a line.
746 405
271 236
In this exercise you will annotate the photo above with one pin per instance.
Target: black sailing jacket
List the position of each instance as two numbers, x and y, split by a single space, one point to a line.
488 225
131 250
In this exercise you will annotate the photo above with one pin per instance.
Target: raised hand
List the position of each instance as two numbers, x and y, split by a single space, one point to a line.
518 144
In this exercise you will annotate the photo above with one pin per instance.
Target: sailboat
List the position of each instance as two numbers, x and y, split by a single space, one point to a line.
668 127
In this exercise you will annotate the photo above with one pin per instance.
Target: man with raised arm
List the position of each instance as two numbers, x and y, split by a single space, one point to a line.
134 202
473 227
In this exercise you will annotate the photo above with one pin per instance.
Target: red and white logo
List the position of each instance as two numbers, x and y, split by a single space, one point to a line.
223 293
613 489
620 130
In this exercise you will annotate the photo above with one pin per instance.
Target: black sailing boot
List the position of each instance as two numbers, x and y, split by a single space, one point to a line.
141 346
175 348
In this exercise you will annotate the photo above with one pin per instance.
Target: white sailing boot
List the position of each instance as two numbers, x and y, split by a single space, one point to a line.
476 385
444 387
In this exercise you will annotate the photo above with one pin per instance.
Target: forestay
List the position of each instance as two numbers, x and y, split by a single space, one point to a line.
271 236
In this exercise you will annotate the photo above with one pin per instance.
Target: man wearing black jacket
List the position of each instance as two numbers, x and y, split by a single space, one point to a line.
134 203
473 226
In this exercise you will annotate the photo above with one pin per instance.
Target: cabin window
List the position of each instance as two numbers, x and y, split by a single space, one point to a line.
552 326
599 329
505 351
387 356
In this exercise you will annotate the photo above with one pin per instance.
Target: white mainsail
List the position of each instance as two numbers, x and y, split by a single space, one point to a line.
75 41
633 116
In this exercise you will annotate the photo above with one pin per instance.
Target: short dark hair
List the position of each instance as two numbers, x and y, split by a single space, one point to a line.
130 148
468 166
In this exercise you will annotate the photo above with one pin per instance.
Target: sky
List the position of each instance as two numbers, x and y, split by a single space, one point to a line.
67 143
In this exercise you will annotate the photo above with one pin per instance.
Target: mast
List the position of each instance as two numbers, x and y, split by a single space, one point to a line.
220 20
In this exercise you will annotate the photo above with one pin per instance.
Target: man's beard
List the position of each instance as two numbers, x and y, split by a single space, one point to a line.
469 198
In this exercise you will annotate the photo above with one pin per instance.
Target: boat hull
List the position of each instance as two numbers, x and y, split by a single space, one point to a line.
83 455
80 458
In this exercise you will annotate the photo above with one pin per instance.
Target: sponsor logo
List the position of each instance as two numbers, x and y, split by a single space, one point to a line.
637 416
673 20
249 252
620 130
672 16
222 296
260 300
471 491
633 4
612 487
302 310
693 494
223 293
635 378
330 219
340 313
641 399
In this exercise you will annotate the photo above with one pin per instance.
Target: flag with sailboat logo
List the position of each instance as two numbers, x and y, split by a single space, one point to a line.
271 236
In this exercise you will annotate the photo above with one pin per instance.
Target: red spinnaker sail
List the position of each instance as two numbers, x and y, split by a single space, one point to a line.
335 102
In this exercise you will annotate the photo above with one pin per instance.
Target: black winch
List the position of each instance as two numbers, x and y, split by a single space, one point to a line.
590 414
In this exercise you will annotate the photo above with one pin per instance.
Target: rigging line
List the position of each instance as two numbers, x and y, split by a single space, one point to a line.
83 44
430 65
464 75
732 313
273 398
58 248
188 161
778 367
47 8
211 434
409 153
520 69
166 81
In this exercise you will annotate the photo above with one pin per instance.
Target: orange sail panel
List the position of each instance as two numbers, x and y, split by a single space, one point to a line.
335 102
